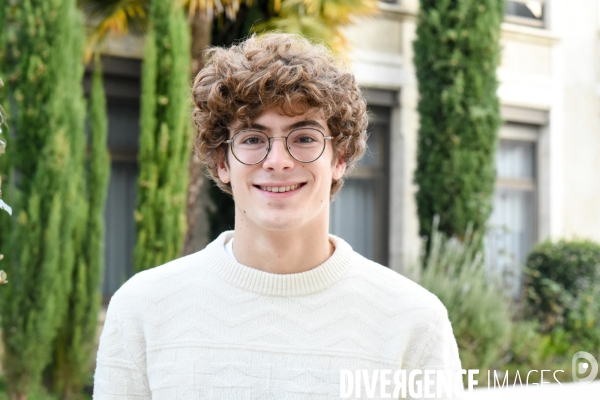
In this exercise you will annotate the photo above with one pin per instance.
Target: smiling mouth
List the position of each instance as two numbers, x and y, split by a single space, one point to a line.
280 189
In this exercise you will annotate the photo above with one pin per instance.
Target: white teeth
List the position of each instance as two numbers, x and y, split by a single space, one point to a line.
280 189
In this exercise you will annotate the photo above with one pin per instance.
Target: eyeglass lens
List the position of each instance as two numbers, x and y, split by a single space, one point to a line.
305 145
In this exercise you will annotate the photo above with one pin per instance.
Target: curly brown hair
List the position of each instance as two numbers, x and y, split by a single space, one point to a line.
279 70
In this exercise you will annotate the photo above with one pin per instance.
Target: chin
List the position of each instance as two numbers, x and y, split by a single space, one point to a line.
279 226
283 224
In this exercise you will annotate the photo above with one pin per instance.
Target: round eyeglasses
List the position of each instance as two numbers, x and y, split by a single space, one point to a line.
251 146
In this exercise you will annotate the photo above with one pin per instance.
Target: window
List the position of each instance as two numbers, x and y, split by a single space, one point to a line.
119 235
359 213
511 228
525 12
123 132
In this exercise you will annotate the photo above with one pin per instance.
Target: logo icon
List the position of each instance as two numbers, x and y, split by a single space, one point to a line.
579 367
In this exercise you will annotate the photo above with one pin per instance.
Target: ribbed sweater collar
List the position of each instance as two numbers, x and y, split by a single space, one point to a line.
270 284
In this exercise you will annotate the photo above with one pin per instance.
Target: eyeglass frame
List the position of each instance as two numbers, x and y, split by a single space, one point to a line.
230 143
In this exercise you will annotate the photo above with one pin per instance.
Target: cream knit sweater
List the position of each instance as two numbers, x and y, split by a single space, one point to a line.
206 327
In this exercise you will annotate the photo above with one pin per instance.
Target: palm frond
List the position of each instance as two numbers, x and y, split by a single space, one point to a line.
118 17
343 12
332 12
303 25
313 28
213 7
319 20
296 16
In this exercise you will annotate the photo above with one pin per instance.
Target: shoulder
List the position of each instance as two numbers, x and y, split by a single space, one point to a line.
147 288
400 293
415 322
160 283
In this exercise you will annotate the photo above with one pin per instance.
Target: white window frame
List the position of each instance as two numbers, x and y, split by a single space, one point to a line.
537 23
496 262
538 185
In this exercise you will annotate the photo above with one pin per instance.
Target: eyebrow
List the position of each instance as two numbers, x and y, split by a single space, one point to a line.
297 125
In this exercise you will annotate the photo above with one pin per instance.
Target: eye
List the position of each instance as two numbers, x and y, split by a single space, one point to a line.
305 139
252 140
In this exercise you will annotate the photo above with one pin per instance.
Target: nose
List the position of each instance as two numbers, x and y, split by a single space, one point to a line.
278 158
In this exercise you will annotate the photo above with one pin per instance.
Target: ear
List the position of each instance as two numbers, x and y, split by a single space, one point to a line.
339 167
223 169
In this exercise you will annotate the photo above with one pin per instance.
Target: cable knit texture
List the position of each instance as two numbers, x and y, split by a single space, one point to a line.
206 327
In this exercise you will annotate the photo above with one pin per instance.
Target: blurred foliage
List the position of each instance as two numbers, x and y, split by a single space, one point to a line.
490 335
57 191
480 315
319 20
562 289
74 348
457 51
3 275
46 184
38 393
165 138
119 17
532 349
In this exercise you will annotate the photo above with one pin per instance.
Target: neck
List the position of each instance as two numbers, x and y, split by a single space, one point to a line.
282 251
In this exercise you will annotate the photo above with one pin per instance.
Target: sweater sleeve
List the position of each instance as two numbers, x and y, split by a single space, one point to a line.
118 375
440 360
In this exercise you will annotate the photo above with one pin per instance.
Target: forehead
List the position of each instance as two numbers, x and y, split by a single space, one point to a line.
276 118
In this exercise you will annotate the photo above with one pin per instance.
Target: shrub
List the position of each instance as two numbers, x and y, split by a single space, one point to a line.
480 315
527 344
532 350
562 288
583 318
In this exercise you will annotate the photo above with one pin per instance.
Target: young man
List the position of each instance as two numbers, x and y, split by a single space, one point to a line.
277 308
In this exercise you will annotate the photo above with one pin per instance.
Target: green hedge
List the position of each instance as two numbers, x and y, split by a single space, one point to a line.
562 289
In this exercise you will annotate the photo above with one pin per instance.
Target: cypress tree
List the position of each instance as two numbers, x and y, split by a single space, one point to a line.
3 144
456 55
75 344
4 7
4 22
46 183
165 140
